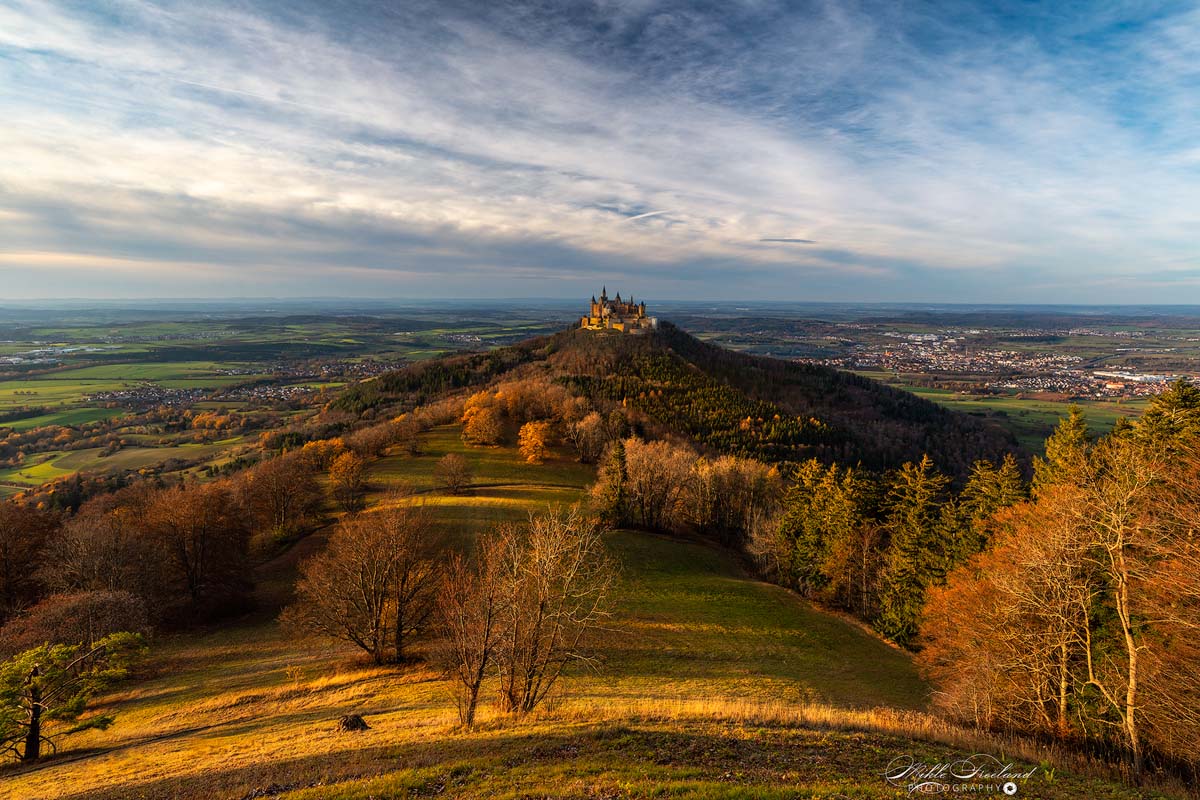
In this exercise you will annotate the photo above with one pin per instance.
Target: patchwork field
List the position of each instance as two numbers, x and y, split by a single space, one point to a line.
43 467
711 685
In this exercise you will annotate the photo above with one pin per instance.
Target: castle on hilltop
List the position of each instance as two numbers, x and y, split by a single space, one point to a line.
617 315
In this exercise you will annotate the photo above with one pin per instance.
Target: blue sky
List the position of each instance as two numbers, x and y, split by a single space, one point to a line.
902 151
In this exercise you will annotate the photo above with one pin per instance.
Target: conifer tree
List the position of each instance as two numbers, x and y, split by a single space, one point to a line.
609 493
1065 450
917 555
1172 415
822 510
45 691
989 489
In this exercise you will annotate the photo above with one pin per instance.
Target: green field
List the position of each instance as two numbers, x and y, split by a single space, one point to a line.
70 416
43 467
705 689
70 386
1031 420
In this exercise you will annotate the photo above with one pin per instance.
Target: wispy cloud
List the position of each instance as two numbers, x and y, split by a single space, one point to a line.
647 215
425 147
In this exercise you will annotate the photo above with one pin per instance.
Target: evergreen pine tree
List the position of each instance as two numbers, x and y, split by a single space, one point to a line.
917 554
1065 450
609 493
989 489
1173 415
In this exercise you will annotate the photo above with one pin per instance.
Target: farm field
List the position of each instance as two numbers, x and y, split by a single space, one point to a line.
57 464
1031 420
711 685
72 416
72 386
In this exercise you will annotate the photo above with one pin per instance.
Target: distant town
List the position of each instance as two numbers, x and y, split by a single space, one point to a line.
956 352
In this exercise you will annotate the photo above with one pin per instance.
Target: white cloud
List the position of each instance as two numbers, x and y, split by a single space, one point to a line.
188 134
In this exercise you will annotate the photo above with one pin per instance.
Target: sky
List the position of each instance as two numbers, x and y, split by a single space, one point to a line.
735 149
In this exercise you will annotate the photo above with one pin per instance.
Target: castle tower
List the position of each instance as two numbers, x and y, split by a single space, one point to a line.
617 314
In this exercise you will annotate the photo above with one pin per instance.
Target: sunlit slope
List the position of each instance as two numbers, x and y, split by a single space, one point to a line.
238 709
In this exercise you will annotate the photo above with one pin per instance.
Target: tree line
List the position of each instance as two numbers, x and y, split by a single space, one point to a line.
1080 618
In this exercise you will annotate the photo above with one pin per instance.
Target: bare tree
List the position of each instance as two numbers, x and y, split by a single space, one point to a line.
373 585
24 531
452 473
555 580
203 531
105 546
588 436
657 475
469 618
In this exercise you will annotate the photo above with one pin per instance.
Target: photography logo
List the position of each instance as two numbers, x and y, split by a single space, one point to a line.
977 775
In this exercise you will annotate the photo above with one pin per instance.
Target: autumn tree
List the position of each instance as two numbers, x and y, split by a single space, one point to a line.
348 481
282 495
24 532
320 453
202 532
484 426
373 584
1086 604
45 691
1004 640
533 441
453 473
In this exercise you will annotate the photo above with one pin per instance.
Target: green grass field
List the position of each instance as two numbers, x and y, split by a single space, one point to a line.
70 386
70 416
1030 419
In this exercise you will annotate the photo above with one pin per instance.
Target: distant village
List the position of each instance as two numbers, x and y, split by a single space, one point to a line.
947 353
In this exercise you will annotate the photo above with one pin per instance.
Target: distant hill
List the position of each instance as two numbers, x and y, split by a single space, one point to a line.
732 402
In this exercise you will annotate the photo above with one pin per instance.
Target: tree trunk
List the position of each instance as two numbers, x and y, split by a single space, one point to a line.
33 737
1063 688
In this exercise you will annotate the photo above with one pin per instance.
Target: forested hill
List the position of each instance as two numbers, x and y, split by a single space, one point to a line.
733 402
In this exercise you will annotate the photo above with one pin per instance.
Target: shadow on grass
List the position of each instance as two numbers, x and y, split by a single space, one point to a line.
590 760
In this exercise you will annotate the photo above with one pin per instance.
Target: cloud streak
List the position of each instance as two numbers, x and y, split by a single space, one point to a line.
366 148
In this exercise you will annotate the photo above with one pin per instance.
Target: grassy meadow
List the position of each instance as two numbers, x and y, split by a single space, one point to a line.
711 684
1031 419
